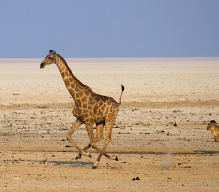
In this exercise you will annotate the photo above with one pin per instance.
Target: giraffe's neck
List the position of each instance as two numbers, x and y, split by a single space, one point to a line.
73 85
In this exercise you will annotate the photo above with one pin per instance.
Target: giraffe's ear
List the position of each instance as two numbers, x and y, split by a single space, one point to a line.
50 53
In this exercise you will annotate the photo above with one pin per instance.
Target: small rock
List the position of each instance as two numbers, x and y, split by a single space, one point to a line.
137 178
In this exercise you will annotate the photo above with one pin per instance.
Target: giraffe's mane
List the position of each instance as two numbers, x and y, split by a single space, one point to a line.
72 73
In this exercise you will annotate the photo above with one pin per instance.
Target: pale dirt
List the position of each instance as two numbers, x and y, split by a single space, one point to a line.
36 115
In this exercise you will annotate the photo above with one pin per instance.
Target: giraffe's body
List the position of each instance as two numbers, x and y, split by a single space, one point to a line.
90 108
214 130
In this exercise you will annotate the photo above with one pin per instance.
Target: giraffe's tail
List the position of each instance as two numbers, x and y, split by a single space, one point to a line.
120 99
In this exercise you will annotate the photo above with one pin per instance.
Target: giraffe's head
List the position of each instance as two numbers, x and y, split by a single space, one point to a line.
51 58
211 125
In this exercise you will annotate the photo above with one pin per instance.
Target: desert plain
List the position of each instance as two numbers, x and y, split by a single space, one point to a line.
160 134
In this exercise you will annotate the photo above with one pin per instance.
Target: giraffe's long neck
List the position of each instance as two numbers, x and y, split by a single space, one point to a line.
73 85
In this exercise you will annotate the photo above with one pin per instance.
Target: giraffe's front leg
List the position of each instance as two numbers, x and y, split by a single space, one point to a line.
76 125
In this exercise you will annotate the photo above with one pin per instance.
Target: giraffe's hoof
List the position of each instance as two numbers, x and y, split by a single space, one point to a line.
115 158
78 156
88 154
94 167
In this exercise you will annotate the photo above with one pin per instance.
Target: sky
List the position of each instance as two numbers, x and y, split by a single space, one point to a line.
109 28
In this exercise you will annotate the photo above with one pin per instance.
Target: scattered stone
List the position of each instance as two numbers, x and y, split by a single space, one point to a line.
137 178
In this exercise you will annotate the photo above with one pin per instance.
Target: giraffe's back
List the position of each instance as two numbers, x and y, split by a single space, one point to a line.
94 107
102 106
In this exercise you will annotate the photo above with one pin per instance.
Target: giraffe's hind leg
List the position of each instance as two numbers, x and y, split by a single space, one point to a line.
216 138
110 119
93 144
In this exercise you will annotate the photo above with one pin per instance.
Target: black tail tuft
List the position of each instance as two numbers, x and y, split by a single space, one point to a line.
123 88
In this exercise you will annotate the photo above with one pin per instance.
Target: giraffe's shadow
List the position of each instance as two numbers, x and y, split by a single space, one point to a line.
206 151
73 163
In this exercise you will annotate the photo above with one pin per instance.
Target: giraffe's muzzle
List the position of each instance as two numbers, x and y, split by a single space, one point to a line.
42 65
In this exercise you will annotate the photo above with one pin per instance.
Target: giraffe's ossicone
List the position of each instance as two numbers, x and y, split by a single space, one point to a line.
90 108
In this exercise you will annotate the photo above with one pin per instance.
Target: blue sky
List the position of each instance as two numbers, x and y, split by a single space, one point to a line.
113 28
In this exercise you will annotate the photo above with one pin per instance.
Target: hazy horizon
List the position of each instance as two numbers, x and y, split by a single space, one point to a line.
138 65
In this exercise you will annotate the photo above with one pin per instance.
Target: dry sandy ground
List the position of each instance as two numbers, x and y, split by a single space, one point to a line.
159 137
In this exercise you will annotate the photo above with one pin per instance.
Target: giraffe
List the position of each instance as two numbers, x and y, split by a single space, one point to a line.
90 108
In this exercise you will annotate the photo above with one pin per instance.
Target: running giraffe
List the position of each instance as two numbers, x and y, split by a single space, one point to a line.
90 108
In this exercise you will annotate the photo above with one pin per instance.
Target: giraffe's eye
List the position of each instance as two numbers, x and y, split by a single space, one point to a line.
50 57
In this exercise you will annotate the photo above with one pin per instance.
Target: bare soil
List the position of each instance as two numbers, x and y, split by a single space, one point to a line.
160 135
